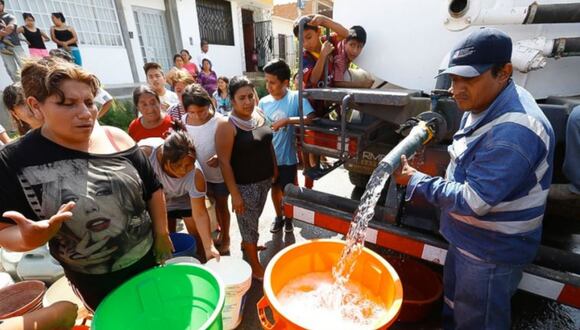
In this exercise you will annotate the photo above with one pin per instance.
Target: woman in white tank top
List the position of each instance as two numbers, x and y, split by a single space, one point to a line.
201 124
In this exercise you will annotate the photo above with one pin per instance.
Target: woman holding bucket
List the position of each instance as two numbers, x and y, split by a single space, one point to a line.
248 164
67 184
174 161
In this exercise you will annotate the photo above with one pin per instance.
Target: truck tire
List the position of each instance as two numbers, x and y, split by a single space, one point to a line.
358 180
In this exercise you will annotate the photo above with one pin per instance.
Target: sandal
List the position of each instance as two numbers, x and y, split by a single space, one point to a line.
224 250
258 248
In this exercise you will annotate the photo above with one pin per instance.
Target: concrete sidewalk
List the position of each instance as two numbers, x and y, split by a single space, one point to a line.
336 181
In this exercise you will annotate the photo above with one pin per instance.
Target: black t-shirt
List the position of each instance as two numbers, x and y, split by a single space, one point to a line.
110 229
34 38
64 35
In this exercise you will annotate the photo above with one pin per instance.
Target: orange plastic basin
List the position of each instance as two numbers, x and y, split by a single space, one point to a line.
371 271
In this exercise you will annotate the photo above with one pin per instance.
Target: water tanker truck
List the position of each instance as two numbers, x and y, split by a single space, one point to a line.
407 45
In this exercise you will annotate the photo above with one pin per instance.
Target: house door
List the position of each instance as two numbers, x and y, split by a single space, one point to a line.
264 42
153 36
249 41
282 46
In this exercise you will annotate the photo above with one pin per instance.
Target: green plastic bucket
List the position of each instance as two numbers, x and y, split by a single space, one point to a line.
176 297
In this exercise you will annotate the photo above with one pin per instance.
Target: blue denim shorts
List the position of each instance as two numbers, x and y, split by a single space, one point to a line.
217 189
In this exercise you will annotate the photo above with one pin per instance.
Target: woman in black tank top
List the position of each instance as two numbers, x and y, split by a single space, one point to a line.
35 37
248 164
65 36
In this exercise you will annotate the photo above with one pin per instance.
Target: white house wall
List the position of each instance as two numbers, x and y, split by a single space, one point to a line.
132 27
230 60
282 26
187 14
110 64
115 69
227 60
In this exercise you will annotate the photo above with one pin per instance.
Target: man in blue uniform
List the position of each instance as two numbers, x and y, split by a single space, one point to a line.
494 192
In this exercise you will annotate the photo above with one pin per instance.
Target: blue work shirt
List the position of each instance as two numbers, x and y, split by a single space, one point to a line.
494 194
284 140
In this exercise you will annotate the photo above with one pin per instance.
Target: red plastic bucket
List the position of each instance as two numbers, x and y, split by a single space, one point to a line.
21 298
422 288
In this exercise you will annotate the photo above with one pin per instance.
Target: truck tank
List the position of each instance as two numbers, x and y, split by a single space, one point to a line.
408 40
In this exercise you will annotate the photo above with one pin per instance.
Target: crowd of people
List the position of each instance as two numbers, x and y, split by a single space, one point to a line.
105 200
63 35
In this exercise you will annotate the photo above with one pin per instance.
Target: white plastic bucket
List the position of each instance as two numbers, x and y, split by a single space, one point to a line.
5 280
183 260
10 261
38 264
237 277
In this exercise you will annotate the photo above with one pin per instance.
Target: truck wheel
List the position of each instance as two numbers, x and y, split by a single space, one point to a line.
358 180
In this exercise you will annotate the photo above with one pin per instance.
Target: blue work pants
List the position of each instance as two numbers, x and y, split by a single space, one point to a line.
477 294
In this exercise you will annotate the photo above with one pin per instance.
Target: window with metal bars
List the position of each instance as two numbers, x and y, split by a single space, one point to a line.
95 21
215 21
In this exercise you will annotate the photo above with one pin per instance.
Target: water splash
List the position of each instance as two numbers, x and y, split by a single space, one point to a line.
330 296
313 299
358 229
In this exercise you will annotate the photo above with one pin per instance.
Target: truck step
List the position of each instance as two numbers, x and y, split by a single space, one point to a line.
319 172
335 213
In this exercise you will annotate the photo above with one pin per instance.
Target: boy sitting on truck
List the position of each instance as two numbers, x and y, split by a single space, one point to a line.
346 52
319 50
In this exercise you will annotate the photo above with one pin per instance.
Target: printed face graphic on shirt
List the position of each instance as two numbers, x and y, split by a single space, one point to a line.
110 221
96 207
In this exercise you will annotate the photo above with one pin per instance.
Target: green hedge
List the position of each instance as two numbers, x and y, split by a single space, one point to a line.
120 115
260 85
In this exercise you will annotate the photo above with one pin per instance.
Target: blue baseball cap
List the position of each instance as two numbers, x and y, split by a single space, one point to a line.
478 52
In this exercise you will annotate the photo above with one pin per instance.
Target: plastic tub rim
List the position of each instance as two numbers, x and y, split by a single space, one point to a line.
432 299
33 305
222 294
275 303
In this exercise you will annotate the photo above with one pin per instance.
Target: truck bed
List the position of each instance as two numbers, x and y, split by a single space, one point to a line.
544 278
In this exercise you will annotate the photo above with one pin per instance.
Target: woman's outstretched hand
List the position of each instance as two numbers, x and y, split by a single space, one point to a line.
37 233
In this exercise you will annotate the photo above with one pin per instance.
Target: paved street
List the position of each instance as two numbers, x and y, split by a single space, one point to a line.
529 311
336 182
